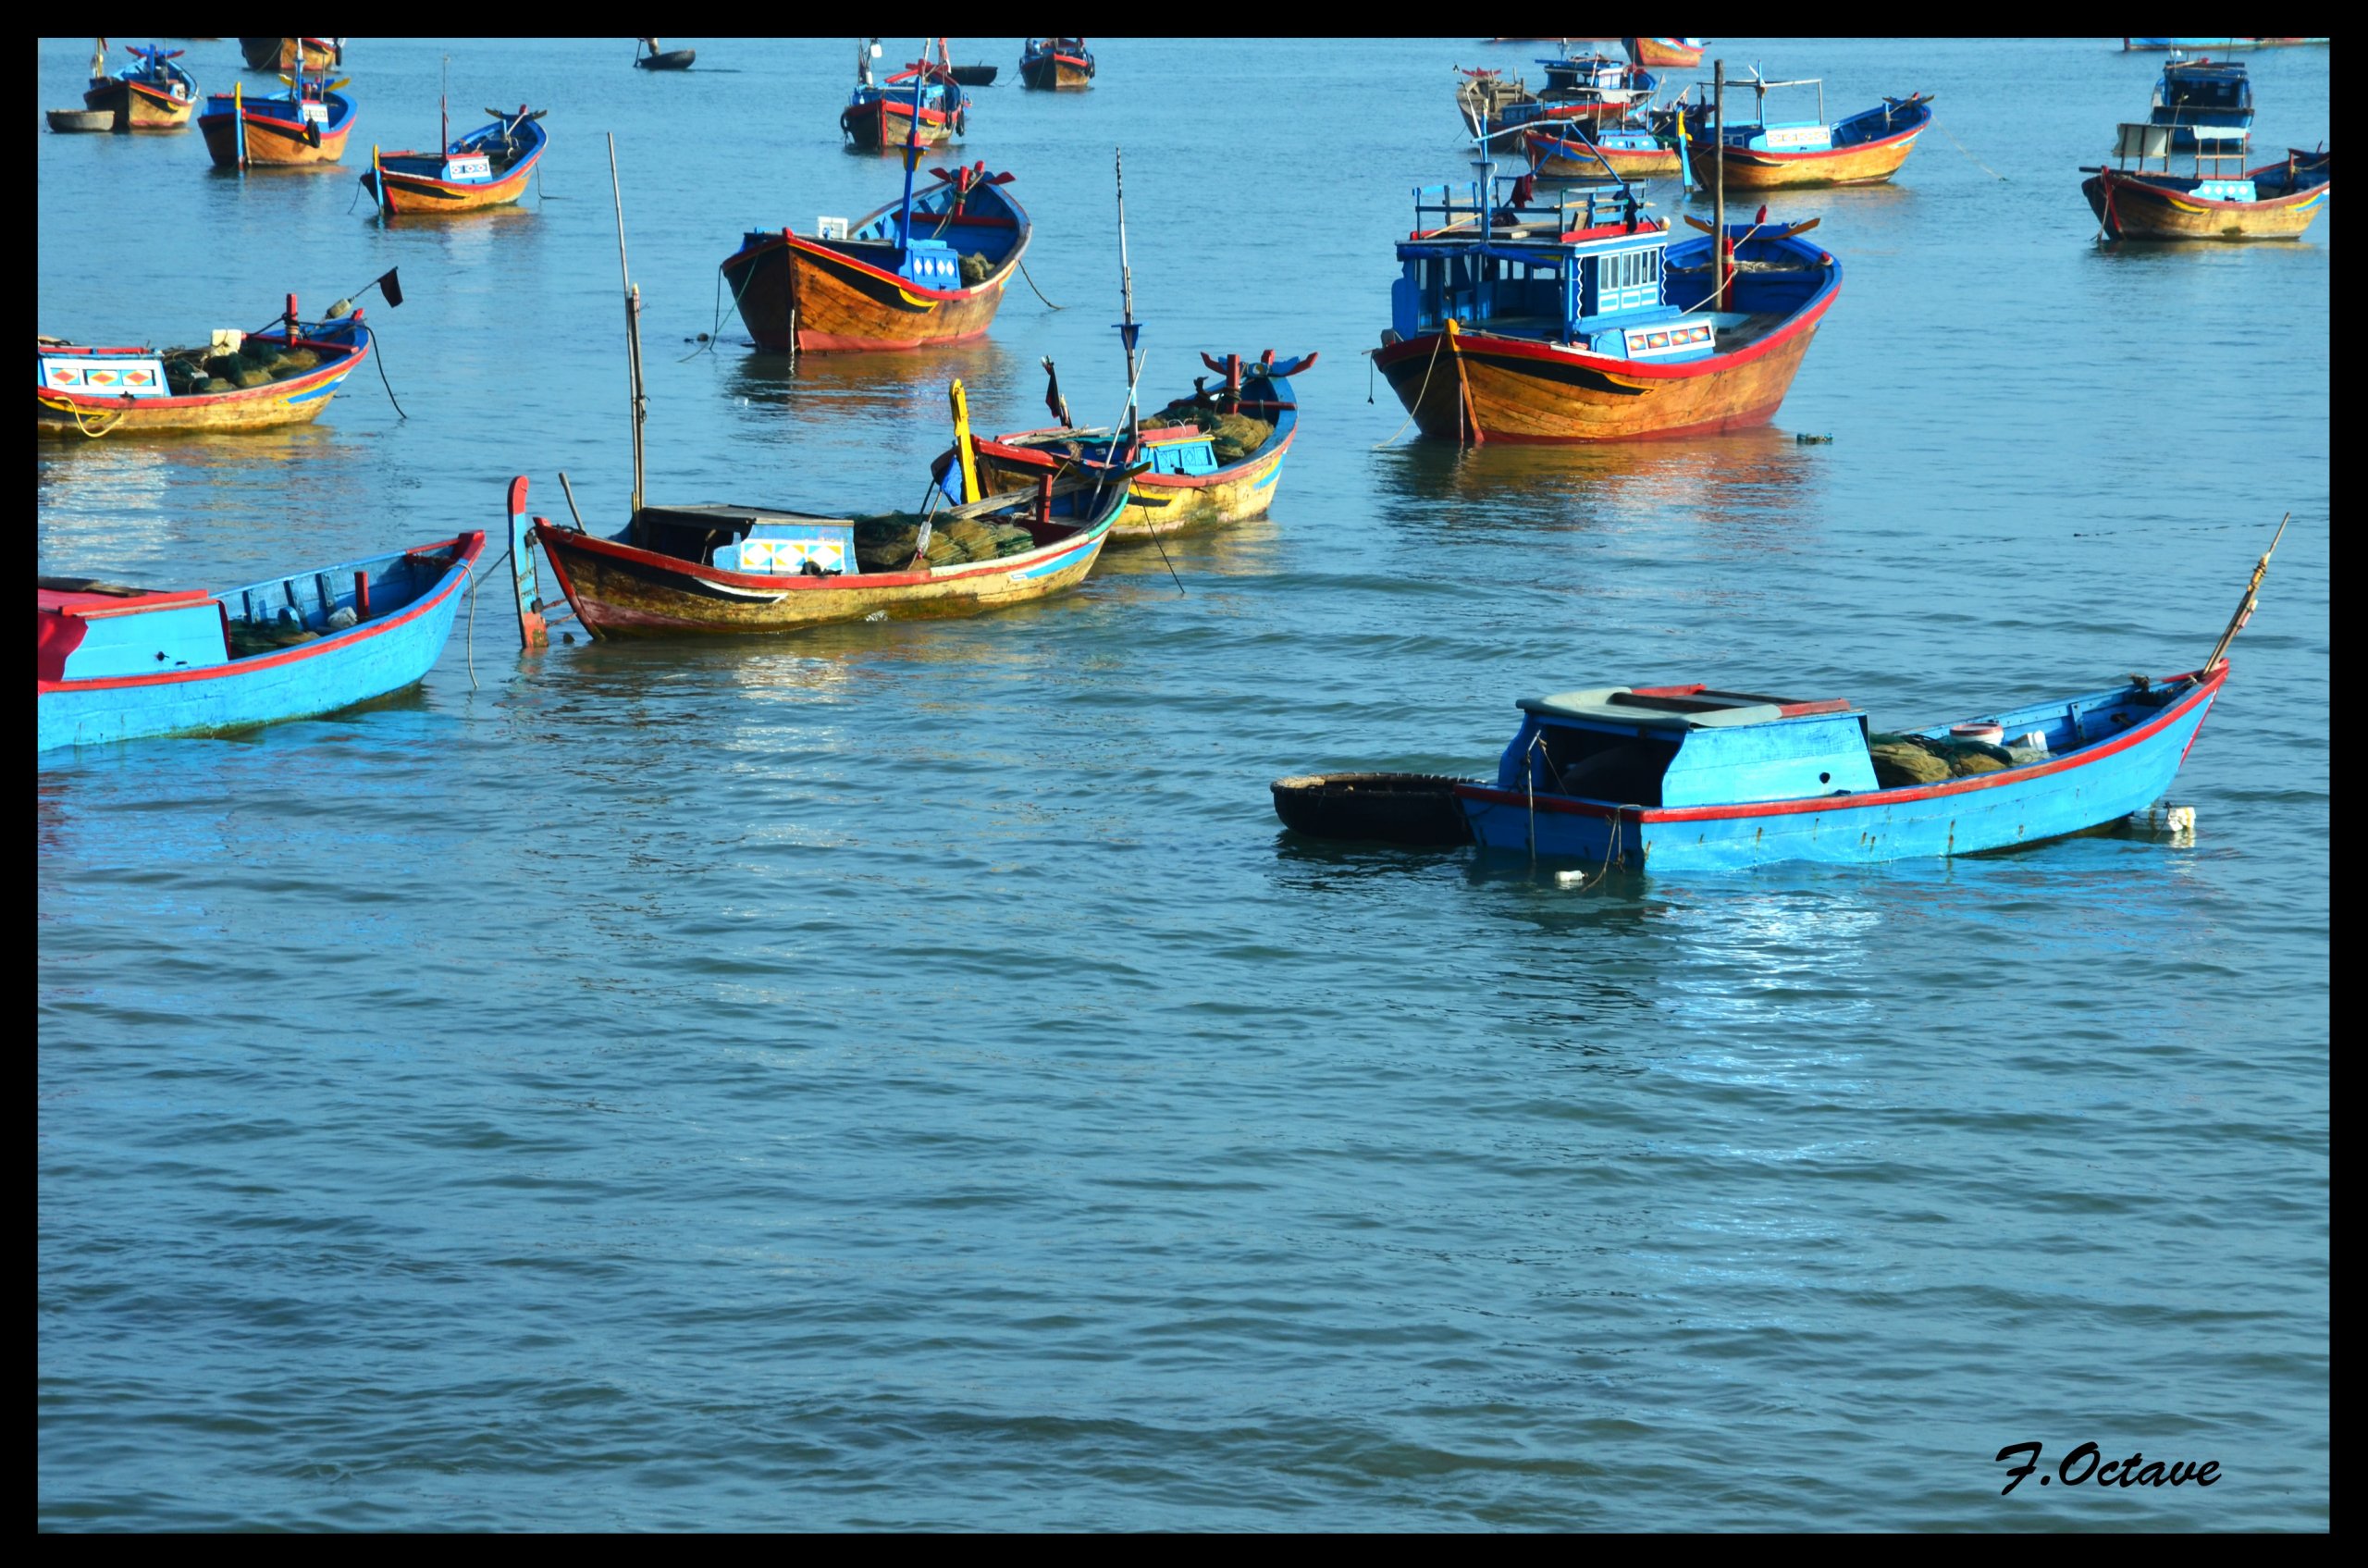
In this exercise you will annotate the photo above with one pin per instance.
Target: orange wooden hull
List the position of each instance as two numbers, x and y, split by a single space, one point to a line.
1518 389
296 400
1052 74
284 54
832 304
417 195
1869 164
274 143
884 127
619 590
1627 163
1655 53
141 108
2136 209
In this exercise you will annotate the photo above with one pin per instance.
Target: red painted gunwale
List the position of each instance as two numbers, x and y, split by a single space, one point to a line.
1479 340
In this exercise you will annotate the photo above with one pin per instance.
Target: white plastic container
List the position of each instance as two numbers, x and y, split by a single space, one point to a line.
1981 729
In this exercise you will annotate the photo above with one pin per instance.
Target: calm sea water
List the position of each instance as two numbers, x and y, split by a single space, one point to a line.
899 1076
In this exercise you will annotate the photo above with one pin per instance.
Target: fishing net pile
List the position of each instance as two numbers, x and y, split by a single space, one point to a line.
1901 760
976 268
885 542
1232 437
195 372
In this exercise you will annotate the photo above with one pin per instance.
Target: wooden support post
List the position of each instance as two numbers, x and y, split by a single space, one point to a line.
1718 189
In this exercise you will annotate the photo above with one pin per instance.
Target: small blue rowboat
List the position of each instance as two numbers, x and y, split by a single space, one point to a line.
114 664
1683 778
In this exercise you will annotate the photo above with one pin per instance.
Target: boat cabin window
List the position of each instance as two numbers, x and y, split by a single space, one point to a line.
1627 280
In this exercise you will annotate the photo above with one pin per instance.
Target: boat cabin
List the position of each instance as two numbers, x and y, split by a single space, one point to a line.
1687 745
2217 153
1589 269
1760 134
2198 96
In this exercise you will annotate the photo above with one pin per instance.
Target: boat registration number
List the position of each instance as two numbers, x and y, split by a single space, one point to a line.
316 114
1798 138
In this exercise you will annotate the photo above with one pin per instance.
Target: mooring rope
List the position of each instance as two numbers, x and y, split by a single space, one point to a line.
1961 147
1435 345
1031 283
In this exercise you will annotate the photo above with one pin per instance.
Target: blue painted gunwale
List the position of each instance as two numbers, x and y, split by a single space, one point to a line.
384 654
2068 793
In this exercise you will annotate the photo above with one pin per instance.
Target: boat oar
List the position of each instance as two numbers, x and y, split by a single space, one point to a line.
2245 609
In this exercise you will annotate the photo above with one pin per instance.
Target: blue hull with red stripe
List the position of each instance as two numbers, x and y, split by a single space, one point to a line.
115 665
1680 779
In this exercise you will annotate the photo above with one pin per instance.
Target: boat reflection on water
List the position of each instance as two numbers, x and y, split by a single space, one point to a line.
1252 548
1756 484
910 385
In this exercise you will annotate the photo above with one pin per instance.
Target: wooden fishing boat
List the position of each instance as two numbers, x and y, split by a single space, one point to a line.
2203 99
489 168
976 76
1621 152
244 382
1759 154
306 124
740 570
922 103
1688 779
154 94
1583 321
1057 64
2221 200
656 59
81 122
1211 457
1665 54
1582 92
115 663
895 281
287 54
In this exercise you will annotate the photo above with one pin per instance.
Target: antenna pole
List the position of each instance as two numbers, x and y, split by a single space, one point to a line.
1127 329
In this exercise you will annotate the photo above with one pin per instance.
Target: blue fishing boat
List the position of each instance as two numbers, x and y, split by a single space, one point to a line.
116 662
2210 99
921 104
1583 318
1686 778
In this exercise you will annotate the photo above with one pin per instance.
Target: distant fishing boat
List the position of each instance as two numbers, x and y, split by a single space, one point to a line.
1684 778
489 168
920 103
1583 92
241 381
1051 64
2156 43
2220 199
116 663
1665 54
1619 151
1864 149
1580 320
2203 99
287 54
154 94
656 59
1212 456
306 124
892 281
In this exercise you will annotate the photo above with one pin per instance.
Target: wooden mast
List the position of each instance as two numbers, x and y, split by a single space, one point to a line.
1718 189
632 328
